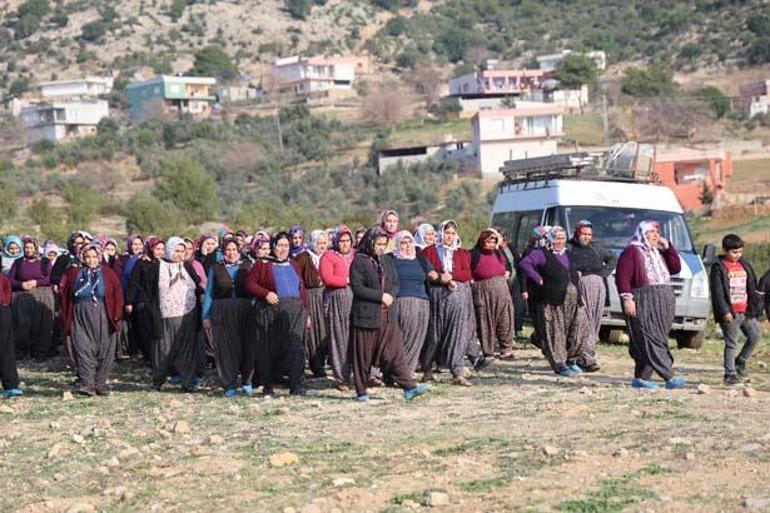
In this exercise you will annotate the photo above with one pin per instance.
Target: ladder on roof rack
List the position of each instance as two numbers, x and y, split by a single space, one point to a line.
552 167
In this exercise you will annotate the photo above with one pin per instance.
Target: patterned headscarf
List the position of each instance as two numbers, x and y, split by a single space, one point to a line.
296 250
274 242
315 236
171 245
654 266
383 217
399 238
370 237
339 232
420 233
94 245
446 253
583 223
487 233
553 232
149 245
539 238
50 246
130 241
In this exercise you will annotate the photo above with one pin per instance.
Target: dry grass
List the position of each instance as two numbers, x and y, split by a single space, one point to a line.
615 448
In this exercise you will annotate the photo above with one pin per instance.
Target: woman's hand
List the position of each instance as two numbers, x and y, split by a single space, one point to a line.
629 306
387 300
446 277
433 276
663 243
271 298
129 309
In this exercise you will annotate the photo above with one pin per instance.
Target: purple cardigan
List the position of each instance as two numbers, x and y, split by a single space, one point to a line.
630 274
28 270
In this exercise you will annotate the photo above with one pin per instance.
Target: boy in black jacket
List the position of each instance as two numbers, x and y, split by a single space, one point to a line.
736 306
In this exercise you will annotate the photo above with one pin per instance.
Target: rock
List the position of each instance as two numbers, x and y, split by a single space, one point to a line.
78 439
104 424
55 451
762 365
282 459
751 447
749 392
58 476
113 462
585 391
757 503
181 426
550 450
620 453
732 393
128 453
343 481
289 509
689 456
216 440
410 504
703 389
67 396
81 507
54 424
121 492
436 499
677 440
6 409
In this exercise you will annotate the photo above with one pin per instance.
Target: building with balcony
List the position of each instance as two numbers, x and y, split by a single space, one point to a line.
169 96
754 98
79 87
317 76
529 130
691 172
59 121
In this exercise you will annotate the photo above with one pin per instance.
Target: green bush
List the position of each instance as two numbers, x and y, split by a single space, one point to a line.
653 81
146 214
94 31
83 203
189 188
213 61
299 9
717 101
26 26
574 71
9 202
446 109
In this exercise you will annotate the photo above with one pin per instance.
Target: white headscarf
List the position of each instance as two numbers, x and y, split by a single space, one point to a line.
446 253
420 233
654 266
315 235
400 237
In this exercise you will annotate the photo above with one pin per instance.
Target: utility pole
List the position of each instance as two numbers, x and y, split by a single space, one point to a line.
605 117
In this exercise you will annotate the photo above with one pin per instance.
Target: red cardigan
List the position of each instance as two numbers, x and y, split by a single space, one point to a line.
5 290
629 273
461 262
113 298
261 280
335 269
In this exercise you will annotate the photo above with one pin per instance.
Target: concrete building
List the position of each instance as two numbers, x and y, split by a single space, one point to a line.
79 87
495 83
317 76
58 121
754 98
573 100
529 130
691 171
236 93
551 61
456 151
170 96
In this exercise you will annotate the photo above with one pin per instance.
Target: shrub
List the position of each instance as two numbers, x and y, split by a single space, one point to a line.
26 26
716 100
83 204
574 71
212 60
299 9
653 81
146 214
8 202
447 108
93 31
189 188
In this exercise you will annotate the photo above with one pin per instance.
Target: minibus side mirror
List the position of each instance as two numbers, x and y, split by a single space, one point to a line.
709 254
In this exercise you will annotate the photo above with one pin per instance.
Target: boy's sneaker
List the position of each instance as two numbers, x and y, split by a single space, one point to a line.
732 379
12 392
740 370
642 383
364 398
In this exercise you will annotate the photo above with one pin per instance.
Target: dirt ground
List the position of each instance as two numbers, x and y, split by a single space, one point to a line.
520 440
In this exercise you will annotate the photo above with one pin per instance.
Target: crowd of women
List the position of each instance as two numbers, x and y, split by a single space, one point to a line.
379 306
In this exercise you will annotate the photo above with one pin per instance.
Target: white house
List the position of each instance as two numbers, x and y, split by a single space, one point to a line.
571 99
529 130
309 76
62 120
88 86
755 98
171 96
549 62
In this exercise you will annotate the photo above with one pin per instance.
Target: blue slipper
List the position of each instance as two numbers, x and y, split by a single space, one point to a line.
676 383
362 398
175 379
231 392
12 392
575 368
566 372
247 389
414 392
641 383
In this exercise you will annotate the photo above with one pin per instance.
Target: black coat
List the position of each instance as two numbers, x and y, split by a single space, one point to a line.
763 291
368 287
719 282
591 259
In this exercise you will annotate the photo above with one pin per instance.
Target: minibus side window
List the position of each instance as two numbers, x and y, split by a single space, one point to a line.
527 222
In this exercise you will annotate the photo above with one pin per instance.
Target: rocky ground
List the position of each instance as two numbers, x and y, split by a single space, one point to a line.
520 440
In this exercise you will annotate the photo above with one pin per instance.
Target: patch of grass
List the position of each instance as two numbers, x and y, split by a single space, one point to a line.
614 496
586 129
484 485
476 444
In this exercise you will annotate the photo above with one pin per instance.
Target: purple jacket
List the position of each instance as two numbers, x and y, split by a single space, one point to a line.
630 274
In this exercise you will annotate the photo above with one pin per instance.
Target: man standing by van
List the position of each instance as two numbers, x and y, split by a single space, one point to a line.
736 306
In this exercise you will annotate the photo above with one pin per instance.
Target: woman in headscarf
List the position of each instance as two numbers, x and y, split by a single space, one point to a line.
359 235
176 347
129 327
261 246
492 300
415 272
334 269
316 341
281 317
227 316
9 375
203 340
208 251
298 245
92 309
562 321
376 337
76 241
593 265
529 290
452 325
424 236
389 224
643 279
12 251
142 296
51 250
33 302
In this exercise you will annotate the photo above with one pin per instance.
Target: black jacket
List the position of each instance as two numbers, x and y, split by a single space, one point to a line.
556 279
763 292
591 259
368 287
719 283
